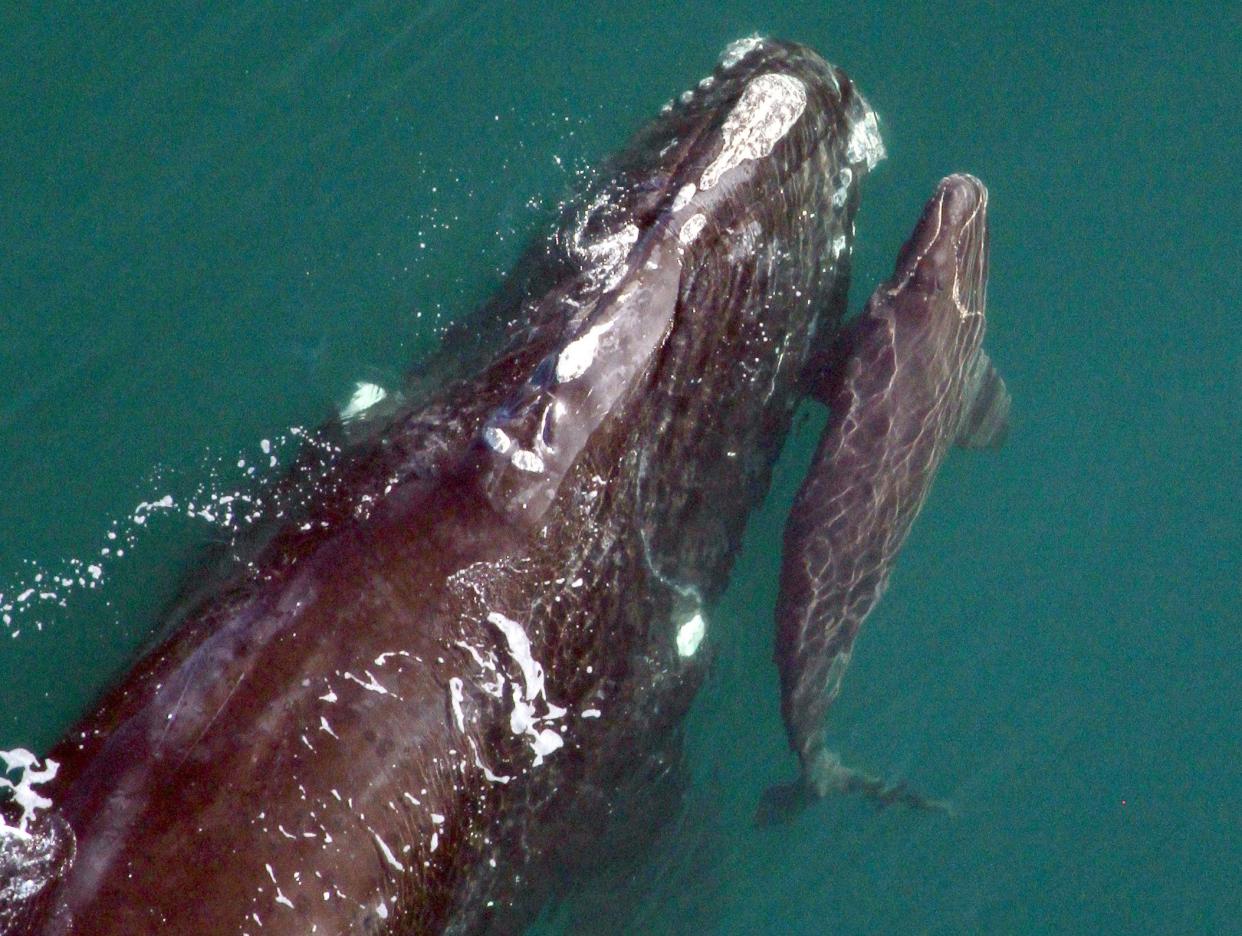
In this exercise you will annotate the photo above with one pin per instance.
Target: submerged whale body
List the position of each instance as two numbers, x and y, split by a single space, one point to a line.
417 705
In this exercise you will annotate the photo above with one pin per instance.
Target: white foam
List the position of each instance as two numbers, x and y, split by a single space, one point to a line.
206 499
371 685
546 741
388 855
488 773
365 396
523 719
23 790
605 256
455 696
865 144
738 49
519 648
842 193
690 634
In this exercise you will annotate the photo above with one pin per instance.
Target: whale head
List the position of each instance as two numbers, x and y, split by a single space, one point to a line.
947 251
696 274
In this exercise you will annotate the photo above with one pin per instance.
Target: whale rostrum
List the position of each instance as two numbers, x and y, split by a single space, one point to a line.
459 670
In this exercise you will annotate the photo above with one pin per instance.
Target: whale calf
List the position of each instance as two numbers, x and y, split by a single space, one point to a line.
905 380
444 684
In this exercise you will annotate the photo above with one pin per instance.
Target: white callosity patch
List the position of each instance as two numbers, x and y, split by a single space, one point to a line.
523 720
865 144
526 460
497 440
577 356
691 229
690 635
23 790
502 444
767 109
683 196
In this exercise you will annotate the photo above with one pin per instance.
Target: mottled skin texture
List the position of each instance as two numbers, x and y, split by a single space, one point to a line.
905 380
324 733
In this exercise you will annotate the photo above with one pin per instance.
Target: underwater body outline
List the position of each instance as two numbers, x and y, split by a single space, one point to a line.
478 649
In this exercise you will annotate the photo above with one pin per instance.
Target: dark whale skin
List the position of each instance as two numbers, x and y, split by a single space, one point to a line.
906 380
349 734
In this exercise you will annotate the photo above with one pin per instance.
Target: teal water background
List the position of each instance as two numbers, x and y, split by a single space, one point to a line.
214 218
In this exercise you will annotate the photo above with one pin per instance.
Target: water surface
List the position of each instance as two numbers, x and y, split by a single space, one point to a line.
215 218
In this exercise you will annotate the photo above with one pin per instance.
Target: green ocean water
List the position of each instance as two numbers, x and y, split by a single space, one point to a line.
215 218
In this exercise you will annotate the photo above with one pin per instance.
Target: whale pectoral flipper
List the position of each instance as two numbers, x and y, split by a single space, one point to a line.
985 420
906 379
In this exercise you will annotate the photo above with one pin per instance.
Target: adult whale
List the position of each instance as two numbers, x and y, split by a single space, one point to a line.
412 705
421 697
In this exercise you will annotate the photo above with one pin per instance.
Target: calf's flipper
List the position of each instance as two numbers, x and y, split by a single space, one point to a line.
985 420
